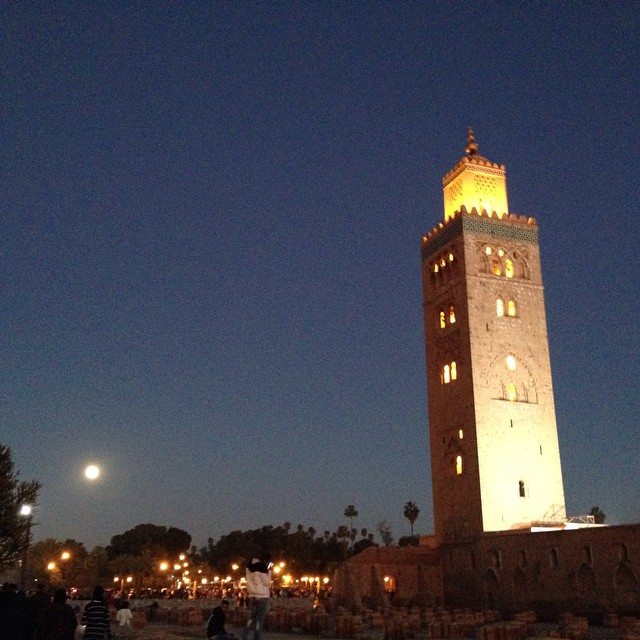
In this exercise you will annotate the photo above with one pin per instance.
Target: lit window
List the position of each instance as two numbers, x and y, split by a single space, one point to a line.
512 392
443 263
508 268
435 268
451 257
487 250
511 308
449 373
452 315
496 268
500 252
443 324
511 363
460 434
499 308
459 465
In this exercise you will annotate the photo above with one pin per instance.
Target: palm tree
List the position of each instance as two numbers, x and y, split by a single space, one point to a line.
411 512
351 513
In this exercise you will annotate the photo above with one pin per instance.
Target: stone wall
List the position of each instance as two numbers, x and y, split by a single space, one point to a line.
590 571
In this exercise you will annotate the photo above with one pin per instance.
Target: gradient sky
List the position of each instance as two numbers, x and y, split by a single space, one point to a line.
210 233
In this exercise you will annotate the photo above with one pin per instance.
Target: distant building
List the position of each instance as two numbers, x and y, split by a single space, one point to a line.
502 538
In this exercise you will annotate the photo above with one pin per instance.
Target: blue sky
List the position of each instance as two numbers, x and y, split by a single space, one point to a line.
211 215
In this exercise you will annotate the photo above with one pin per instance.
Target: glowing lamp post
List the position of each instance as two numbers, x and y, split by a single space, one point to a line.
25 511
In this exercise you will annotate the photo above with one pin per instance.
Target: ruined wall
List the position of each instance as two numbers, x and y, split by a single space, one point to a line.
588 571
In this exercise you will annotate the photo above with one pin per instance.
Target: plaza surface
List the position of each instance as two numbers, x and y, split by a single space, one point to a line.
160 631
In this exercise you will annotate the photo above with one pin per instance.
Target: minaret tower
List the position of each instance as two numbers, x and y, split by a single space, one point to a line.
495 461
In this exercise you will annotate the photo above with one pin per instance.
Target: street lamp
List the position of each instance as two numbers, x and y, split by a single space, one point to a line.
25 511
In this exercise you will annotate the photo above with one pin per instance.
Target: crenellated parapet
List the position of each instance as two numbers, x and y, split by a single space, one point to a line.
510 226
468 162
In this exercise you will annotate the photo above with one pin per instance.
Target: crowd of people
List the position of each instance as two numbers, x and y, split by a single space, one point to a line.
41 617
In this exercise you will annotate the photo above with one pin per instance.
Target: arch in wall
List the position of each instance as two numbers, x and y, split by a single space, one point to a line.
491 585
520 593
627 593
511 264
518 385
585 583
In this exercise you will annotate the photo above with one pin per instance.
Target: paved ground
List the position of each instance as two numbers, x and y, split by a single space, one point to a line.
172 632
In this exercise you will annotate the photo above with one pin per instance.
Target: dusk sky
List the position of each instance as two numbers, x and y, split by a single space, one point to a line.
210 248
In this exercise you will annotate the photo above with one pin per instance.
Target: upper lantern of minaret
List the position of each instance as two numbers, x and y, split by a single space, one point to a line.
475 182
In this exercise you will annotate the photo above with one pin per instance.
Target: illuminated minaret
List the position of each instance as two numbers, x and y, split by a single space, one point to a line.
495 461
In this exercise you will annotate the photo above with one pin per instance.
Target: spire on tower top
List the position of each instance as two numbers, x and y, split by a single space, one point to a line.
472 146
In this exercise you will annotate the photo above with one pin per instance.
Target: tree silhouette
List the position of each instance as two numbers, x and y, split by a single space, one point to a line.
15 529
351 513
411 512
598 515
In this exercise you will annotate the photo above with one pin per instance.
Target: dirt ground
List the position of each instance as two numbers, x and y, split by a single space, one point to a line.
161 631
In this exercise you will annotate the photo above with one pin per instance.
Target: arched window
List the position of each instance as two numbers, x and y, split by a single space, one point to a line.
459 465
452 315
522 559
512 392
521 491
496 267
500 307
446 374
510 361
454 371
508 268
511 308
443 322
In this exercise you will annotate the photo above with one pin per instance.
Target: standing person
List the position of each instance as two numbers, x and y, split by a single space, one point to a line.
96 617
59 621
16 618
258 577
124 617
40 603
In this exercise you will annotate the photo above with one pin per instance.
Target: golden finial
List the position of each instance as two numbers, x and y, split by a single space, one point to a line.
472 145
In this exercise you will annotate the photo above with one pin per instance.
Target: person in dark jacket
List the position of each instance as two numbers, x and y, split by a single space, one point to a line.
16 617
58 622
217 621
96 617
40 602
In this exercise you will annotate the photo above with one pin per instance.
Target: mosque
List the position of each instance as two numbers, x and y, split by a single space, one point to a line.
502 537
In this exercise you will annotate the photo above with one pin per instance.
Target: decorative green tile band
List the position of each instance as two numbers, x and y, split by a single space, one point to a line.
479 224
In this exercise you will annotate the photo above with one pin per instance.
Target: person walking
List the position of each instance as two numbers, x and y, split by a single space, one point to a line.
124 618
258 576
59 621
96 617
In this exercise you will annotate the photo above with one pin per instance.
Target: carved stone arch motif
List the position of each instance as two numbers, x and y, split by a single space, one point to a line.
513 261
627 593
501 380
521 263
624 578
585 583
483 265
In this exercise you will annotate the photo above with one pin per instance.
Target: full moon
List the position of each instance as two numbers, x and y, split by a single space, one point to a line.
92 471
